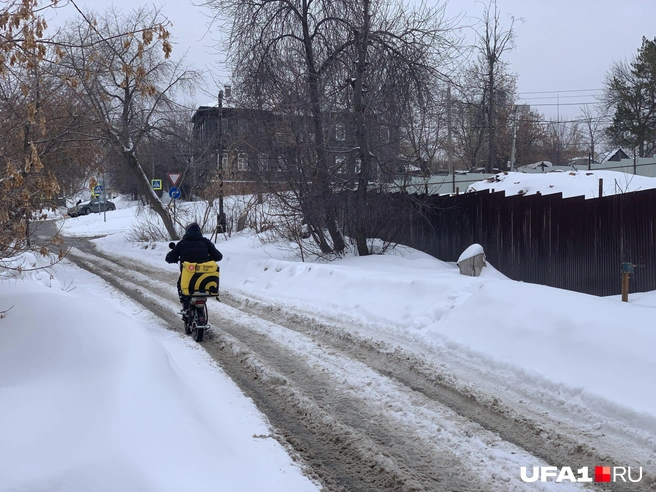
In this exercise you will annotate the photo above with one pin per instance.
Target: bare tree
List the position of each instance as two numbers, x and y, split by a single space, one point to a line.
531 136
50 139
24 179
471 115
397 56
593 129
562 142
41 126
127 83
493 41
362 64
268 35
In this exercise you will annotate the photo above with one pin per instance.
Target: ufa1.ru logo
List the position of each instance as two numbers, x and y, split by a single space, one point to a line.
565 474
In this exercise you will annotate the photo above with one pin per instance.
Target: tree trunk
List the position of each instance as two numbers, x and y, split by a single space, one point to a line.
490 118
323 180
150 195
312 217
359 107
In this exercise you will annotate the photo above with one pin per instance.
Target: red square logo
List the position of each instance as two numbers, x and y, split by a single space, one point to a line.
602 473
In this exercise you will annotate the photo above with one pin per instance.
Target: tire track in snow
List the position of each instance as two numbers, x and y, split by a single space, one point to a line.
559 452
352 460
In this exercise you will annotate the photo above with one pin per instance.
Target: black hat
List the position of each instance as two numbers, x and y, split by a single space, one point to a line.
193 227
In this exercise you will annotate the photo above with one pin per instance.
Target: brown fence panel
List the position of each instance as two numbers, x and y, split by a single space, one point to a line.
570 243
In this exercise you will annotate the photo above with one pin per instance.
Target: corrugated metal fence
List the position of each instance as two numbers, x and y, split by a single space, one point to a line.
570 243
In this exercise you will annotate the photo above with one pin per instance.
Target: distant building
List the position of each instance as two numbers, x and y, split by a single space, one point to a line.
615 156
259 145
583 162
543 166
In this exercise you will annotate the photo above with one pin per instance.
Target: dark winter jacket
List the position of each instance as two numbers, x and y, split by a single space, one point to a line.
193 247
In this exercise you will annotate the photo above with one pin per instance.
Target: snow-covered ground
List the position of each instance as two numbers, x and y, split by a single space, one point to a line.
87 381
572 183
94 396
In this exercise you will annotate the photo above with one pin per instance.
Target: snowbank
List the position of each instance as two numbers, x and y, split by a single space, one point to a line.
91 400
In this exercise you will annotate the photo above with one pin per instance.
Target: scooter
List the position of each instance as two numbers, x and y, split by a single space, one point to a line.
195 317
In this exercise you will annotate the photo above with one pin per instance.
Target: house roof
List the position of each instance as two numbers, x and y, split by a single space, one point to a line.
536 165
610 155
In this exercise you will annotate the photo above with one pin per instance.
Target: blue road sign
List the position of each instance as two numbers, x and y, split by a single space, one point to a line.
175 193
156 184
98 190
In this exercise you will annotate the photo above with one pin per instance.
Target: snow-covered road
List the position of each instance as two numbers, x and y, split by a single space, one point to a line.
370 411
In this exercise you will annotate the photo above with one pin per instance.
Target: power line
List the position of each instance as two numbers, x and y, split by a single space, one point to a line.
562 104
559 97
579 120
556 92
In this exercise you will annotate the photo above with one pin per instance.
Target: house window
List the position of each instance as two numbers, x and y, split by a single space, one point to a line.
282 163
242 127
242 162
340 160
263 162
340 132
225 160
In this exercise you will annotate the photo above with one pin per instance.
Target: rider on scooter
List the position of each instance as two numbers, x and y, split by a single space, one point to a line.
195 248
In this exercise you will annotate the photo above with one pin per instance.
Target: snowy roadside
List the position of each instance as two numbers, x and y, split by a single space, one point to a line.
541 350
102 397
567 339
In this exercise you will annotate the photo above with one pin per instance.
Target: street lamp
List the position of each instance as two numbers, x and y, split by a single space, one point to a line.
221 218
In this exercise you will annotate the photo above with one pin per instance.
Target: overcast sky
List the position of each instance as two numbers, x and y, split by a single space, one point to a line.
568 45
562 51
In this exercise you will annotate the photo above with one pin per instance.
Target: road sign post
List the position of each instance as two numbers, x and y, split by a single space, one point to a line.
104 195
97 191
174 193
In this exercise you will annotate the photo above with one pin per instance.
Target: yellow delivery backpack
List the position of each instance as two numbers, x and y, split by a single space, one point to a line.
200 277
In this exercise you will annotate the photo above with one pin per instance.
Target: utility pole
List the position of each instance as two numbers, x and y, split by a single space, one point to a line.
635 162
220 220
104 196
449 149
514 143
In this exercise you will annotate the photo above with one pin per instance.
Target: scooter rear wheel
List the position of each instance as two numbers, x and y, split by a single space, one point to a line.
198 336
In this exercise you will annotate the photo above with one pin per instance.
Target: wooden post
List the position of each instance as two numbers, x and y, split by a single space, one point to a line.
625 287
601 187
627 269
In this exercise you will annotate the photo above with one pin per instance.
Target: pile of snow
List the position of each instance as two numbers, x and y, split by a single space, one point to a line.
573 183
91 399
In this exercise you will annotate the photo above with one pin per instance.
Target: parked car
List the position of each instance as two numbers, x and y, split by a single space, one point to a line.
95 205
